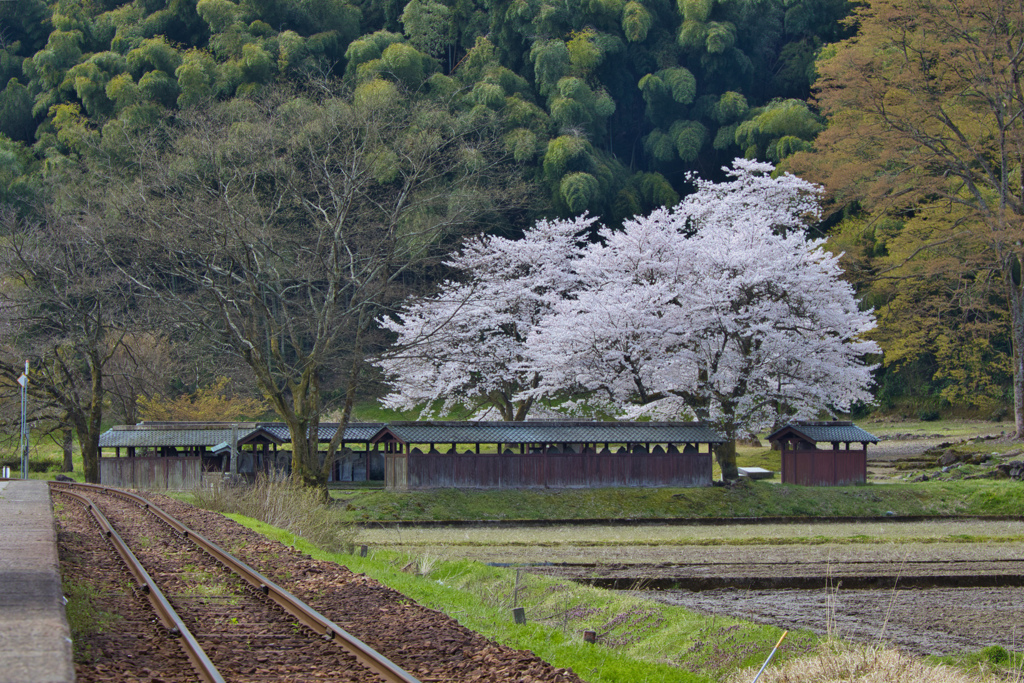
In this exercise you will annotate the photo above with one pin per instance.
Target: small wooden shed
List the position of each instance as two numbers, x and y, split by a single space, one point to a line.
546 454
164 445
844 463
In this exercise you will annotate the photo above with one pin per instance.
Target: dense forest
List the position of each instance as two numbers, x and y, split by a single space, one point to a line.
609 103
599 106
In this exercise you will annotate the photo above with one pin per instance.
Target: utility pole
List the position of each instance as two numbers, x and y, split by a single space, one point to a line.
23 381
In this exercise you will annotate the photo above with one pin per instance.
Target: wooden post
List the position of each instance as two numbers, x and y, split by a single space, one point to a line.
515 590
234 449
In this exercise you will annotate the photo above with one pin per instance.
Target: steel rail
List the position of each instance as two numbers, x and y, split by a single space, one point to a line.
305 614
168 617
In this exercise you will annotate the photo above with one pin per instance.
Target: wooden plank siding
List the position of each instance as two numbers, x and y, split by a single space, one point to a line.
175 474
818 467
587 469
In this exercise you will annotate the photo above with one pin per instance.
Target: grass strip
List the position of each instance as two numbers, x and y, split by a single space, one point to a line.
717 542
747 499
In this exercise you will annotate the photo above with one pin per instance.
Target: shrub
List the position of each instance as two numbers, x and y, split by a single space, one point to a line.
835 661
34 464
996 654
283 503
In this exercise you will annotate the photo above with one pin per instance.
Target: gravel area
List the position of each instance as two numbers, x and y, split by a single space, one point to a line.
131 648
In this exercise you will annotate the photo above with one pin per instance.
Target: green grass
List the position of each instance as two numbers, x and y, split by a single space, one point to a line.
882 426
755 457
639 640
747 499
45 458
85 615
992 659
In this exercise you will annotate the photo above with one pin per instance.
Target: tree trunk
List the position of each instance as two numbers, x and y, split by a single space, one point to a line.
69 447
91 463
88 422
726 456
1015 293
305 450
726 453
90 449
346 415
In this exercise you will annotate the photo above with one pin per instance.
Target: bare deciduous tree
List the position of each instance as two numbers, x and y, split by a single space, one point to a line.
66 308
287 225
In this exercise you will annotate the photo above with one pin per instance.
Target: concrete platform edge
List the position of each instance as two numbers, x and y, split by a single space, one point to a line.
35 641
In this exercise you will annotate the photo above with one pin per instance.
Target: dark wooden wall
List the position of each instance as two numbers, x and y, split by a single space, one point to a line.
546 470
824 468
176 474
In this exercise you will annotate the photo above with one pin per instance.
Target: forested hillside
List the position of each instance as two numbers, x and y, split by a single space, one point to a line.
607 102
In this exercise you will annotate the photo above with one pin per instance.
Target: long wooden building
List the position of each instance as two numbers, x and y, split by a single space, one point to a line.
418 455
546 454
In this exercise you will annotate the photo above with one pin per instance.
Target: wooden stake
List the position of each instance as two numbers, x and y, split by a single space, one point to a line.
765 665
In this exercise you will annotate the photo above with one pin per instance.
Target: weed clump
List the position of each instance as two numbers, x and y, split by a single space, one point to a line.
837 661
283 503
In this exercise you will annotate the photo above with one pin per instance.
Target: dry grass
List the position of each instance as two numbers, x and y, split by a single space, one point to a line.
284 504
835 662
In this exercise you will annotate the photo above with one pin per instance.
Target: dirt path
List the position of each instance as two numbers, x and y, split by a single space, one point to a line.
892 450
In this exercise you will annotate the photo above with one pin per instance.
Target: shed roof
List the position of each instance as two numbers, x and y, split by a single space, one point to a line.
549 431
210 434
154 436
354 431
834 432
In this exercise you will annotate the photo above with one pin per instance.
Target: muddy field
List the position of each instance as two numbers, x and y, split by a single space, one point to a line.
945 613
922 621
936 606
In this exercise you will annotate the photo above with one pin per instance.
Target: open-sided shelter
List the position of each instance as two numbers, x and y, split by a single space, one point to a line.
545 454
175 454
804 462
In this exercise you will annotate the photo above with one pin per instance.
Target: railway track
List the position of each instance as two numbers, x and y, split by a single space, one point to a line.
232 622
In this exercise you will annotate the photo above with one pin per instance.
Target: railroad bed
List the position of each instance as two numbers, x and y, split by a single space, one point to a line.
239 626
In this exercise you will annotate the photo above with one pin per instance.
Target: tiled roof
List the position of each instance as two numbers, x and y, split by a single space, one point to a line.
168 437
551 432
541 431
209 434
354 431
826 432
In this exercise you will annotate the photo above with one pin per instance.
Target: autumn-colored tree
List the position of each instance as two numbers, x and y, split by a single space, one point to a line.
942 316
925 120
213 403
